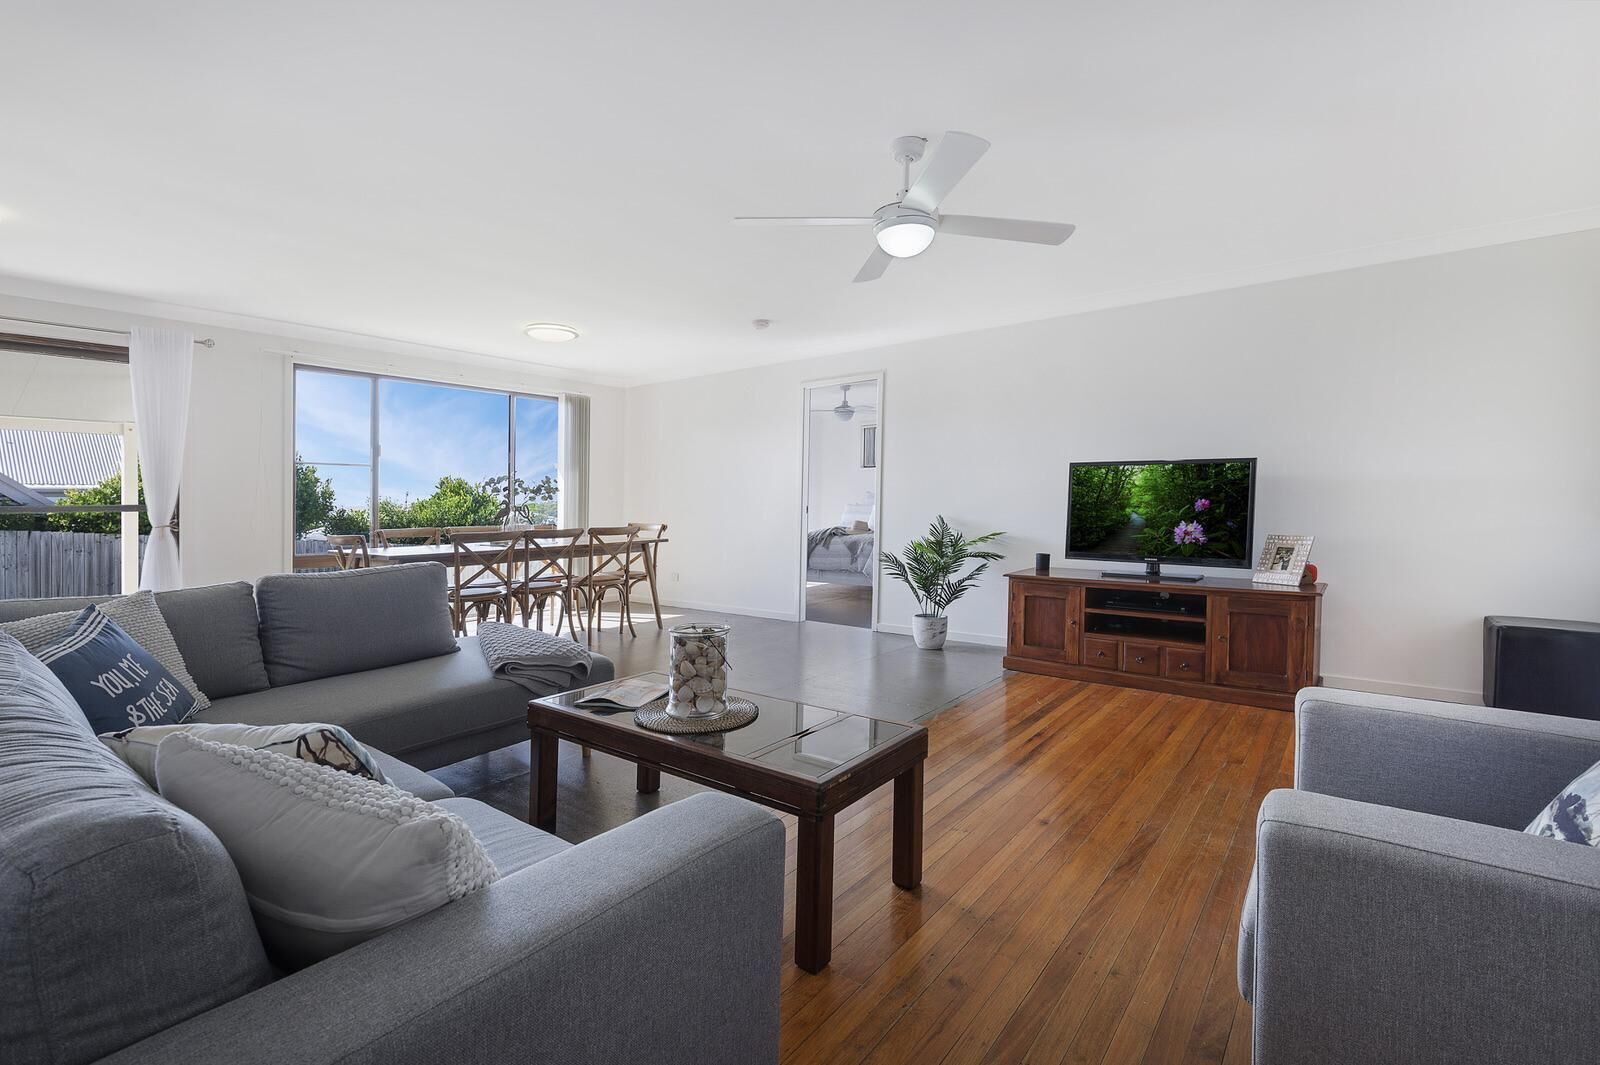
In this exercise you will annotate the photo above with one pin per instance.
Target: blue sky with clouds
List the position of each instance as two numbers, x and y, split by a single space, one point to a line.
426 432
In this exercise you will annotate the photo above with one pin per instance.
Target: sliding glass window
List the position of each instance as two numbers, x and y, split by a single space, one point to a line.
392 453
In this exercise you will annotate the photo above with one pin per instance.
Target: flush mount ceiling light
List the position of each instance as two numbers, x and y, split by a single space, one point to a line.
550 332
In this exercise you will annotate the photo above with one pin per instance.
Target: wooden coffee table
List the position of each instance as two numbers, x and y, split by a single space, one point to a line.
804 760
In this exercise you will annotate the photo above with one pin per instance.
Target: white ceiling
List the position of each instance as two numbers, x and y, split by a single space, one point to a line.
444 173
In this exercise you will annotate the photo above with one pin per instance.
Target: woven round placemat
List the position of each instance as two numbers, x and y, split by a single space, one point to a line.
654 717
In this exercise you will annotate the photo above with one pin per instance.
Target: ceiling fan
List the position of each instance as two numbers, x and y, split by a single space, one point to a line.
907 226
845 411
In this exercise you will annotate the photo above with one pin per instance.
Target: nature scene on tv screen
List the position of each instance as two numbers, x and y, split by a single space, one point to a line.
1165 510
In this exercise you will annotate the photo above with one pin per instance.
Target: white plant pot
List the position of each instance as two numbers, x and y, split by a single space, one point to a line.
929 631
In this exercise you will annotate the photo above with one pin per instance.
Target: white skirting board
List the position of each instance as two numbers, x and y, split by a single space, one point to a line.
1410 691
984 638
680 606
988 639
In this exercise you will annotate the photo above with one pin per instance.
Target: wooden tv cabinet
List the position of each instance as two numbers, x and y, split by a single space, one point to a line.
1221 638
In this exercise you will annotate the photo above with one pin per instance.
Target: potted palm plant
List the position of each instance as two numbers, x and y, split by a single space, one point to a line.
931 567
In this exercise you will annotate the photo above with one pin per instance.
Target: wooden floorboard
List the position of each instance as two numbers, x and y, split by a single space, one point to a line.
1086 852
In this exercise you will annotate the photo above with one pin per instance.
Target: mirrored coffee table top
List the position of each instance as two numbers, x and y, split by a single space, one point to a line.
787 736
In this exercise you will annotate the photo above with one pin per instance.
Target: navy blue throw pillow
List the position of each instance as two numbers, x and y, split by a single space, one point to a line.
117 683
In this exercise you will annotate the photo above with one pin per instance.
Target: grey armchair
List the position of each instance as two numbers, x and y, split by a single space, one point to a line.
1398 913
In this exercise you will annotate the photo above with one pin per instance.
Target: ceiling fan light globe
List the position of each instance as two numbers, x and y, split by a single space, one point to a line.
903 237
844 413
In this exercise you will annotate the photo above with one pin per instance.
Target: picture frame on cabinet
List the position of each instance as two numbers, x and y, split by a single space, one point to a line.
1283 559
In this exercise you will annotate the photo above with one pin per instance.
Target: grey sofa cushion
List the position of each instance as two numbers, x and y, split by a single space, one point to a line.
19 609
136 614
513 844
120 915
409 778
399 709
316 625
215 628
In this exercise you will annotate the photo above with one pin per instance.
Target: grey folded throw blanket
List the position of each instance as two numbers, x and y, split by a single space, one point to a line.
538 661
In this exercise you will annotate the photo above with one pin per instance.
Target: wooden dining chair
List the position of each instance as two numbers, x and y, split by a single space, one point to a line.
483 571
387 537
550 573
475 531
650 537
610 564
350 550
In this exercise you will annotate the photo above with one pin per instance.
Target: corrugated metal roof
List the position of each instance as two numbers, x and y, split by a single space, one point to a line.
56 461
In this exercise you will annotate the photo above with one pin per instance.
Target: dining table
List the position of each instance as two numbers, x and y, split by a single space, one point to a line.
400 554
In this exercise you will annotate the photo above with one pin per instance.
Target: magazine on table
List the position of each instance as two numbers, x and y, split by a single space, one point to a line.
630 693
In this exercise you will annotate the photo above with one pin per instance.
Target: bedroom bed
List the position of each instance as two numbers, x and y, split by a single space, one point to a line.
838 555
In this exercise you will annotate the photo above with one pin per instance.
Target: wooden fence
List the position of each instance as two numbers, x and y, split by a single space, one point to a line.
35 565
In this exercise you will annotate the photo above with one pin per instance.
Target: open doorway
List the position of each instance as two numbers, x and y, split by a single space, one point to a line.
841 488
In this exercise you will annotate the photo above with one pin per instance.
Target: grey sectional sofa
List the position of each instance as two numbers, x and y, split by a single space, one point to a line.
126 938
1398 912
359 648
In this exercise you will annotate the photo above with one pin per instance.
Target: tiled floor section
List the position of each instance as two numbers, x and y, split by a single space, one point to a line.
835 666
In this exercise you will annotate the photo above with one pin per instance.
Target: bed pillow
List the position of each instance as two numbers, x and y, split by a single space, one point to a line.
136 614
318 744
328 860
116 682
1572 815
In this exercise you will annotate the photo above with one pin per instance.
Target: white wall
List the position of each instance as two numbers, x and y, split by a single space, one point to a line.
235 487
1431 422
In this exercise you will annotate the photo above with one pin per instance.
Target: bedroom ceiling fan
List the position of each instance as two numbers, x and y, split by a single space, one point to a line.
844 411
907 226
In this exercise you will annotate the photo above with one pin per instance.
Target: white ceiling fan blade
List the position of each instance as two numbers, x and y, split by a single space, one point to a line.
875 265
948 164
795 221
972 225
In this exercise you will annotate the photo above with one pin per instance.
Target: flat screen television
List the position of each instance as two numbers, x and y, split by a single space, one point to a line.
1193 512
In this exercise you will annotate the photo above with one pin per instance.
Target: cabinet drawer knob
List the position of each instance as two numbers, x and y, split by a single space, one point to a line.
1183 665
1139 660
1099 654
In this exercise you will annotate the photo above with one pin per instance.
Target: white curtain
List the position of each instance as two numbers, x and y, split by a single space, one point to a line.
574 461
160 362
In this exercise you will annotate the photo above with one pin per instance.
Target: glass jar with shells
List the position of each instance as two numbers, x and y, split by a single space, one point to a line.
699 671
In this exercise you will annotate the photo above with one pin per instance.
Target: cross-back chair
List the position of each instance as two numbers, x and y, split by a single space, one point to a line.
350 550
483 568
650 536
387 537
610 565
550 574
475 531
